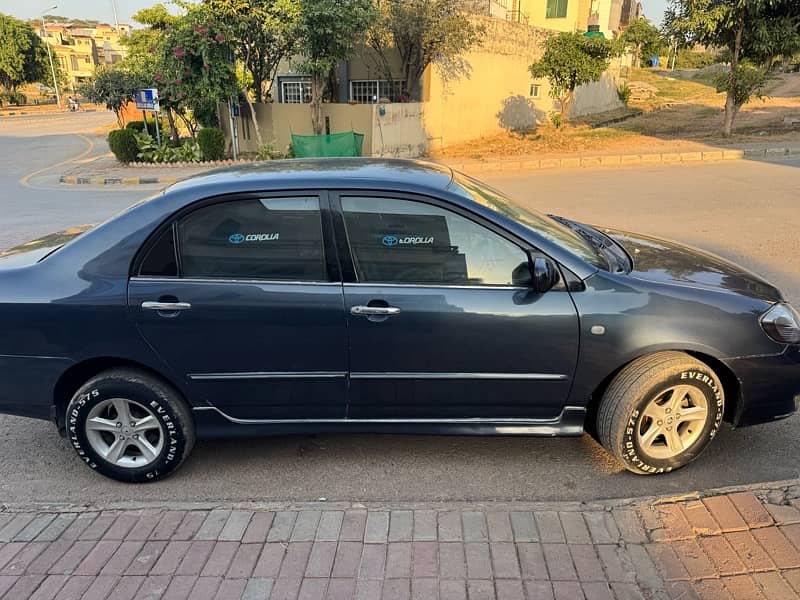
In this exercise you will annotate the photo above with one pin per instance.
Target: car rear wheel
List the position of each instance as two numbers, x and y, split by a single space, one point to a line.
660 412
130 426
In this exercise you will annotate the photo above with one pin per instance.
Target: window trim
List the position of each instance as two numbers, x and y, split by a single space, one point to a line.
330 253
347 262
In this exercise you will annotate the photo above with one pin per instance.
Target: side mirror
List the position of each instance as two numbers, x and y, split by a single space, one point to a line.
545 275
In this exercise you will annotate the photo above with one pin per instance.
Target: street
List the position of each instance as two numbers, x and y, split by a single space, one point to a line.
744 210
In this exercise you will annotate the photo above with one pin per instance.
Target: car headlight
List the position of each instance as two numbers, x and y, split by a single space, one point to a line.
782 324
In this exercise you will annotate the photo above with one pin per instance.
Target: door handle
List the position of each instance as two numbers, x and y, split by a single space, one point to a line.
166 306
369 311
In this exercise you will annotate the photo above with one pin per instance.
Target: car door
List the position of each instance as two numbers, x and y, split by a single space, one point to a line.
242 298
437 328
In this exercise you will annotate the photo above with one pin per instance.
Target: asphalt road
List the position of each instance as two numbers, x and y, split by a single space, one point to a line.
747 211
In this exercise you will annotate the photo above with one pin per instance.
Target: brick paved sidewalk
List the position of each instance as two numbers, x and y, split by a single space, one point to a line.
728 546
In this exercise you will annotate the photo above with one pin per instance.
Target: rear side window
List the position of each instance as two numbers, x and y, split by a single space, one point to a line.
160 260
269 238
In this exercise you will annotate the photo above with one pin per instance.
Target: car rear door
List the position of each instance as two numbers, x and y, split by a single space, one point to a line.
437 328
242 298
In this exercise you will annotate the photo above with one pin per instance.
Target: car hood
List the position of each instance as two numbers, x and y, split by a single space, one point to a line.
664 261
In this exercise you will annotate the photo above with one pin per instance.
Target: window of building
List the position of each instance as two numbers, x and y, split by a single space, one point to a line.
74 62
402 241
271 238
556 9
371 91
296 92
535 90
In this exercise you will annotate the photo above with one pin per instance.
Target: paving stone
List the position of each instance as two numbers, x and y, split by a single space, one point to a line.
586 562
452 589
725 513
749 550
368 589
694 559
168 525
396 589
353 526
24 587
780 550
452 562
269 563
75 587
700 519
524 527
499 526
539 590
98 527
78 526
46 559
296 560
474 524
212 526
531 561
773 586
196 557
205 588
305 526
48 589
147 557
13 527
667 561
244 561
398 560
56 527
377 529
189 526
425 525
6 582
674 525
751 509
424 589
320 559
425 559
567 590
373 562
9 551
478 589
602 527
450 527
783 514
504 560
341 589
680 590
559 562
72 558
118 562
401 525
235 526
144 527
97 557
479 563
575 529
616 563
629 526
711 589
120 527
597 590
549 526
646 573
257 528
101 587
330 523
34 528
312 589
741 587
127 587
347 560
171 558
722 555
232 589
180 587
509 589
626 591
22 560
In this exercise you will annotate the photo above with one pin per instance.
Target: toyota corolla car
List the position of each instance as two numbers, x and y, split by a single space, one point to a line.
360 295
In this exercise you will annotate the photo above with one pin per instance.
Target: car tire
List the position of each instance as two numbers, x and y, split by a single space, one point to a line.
155 438
660 412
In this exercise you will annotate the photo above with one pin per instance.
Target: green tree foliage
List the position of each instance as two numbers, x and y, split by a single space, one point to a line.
212 143
112 86
423 32
23 56
329 31
753 33
644 38
571 60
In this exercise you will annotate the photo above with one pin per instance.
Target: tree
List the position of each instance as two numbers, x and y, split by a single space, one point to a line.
645 38
112 86
571 60
753 32
263 33
329 32
424 32
23 56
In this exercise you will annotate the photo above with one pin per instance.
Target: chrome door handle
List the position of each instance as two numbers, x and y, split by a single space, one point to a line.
166 306
368 311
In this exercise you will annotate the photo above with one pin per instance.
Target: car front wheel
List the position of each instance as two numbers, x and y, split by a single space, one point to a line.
660 412
130 426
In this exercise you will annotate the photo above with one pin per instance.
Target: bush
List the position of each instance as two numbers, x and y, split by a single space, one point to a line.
138 126
123 145
624 93
690 59
212 143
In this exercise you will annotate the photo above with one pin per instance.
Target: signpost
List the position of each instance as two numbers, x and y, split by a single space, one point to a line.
147 100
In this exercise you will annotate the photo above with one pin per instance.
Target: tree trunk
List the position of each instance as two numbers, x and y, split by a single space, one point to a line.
254 119
730 114
730 100
566 105
317 89
176 138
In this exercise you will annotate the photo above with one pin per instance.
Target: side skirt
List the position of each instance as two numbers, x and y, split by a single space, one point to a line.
212 423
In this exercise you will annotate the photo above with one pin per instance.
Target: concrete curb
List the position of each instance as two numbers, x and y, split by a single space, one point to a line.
74 180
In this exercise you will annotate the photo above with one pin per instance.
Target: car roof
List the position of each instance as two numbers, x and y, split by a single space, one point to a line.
321 172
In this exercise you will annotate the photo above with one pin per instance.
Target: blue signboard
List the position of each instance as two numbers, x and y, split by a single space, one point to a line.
147 99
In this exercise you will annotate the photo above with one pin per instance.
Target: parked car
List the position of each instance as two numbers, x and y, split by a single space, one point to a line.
364 295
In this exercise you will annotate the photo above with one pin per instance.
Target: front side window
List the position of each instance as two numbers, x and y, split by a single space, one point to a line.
403 241
269 238
556 9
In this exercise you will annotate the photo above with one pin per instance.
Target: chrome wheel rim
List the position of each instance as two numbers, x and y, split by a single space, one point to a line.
672 421
125 433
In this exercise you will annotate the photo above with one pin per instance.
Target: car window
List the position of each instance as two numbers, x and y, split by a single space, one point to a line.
404 241
269 238
161 260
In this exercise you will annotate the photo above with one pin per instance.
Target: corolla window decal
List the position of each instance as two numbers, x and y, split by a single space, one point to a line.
238 238
409 240
390 240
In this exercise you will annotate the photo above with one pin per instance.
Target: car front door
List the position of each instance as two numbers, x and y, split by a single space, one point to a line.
437 328
242 298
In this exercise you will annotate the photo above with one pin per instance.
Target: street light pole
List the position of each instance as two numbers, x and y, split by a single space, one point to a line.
116 19
50 56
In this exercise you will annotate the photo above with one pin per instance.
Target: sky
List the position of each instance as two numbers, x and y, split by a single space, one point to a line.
102 10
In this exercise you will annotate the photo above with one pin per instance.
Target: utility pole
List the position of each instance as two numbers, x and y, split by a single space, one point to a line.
116 19
50 56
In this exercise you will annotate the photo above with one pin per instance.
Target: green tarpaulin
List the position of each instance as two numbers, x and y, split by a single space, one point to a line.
334 144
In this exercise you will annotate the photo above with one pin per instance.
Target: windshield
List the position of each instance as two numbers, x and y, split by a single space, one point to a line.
541 224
